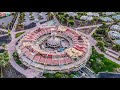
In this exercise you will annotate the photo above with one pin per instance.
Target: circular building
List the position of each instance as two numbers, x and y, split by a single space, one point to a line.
54 49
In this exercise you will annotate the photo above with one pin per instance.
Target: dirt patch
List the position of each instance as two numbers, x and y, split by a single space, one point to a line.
87 30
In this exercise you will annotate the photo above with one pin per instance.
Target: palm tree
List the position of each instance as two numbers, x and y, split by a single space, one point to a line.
4 60
71 23
9 32
4 46
80 23
95 20
3 25
10 24
50 16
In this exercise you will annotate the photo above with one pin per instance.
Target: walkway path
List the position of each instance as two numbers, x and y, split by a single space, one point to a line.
1 29
3 35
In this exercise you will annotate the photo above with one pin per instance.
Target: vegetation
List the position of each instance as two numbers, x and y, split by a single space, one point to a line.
101 35
4 60
16 58
101 45
21 18
18 34
64 18
50 16
60 75
116 47
99 63
4 46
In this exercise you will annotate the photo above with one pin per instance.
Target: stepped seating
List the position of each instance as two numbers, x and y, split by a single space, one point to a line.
62 61
42 60
30 56
68 60
55 62
36 58
49 61
24 50
80 48
27 53
21 47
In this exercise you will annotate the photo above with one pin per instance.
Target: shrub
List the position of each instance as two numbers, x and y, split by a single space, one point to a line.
116 47
101 45
18 34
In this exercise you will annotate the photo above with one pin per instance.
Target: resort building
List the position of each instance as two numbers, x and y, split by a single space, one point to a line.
117 17
106 19
54 49
110 13
92 14
115 27
87 18
72 14
114 34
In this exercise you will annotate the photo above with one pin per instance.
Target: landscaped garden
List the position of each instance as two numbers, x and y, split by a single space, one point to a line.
17 60
62 75
78 19
103 39
99 63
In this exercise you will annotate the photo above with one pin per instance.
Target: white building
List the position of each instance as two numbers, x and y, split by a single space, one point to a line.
110 13
92 14
115 27
117 17
72 14
114 34
106 19
88 18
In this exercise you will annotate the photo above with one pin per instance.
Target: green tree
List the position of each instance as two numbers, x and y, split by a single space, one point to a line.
71 22
58 75
101 45
9 33
116 47
50 16
4 46
101 31
4 60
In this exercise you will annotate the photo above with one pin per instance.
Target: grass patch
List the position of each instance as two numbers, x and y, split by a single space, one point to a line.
18 34
99 63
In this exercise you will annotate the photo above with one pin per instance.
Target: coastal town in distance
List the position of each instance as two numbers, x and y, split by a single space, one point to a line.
59 44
